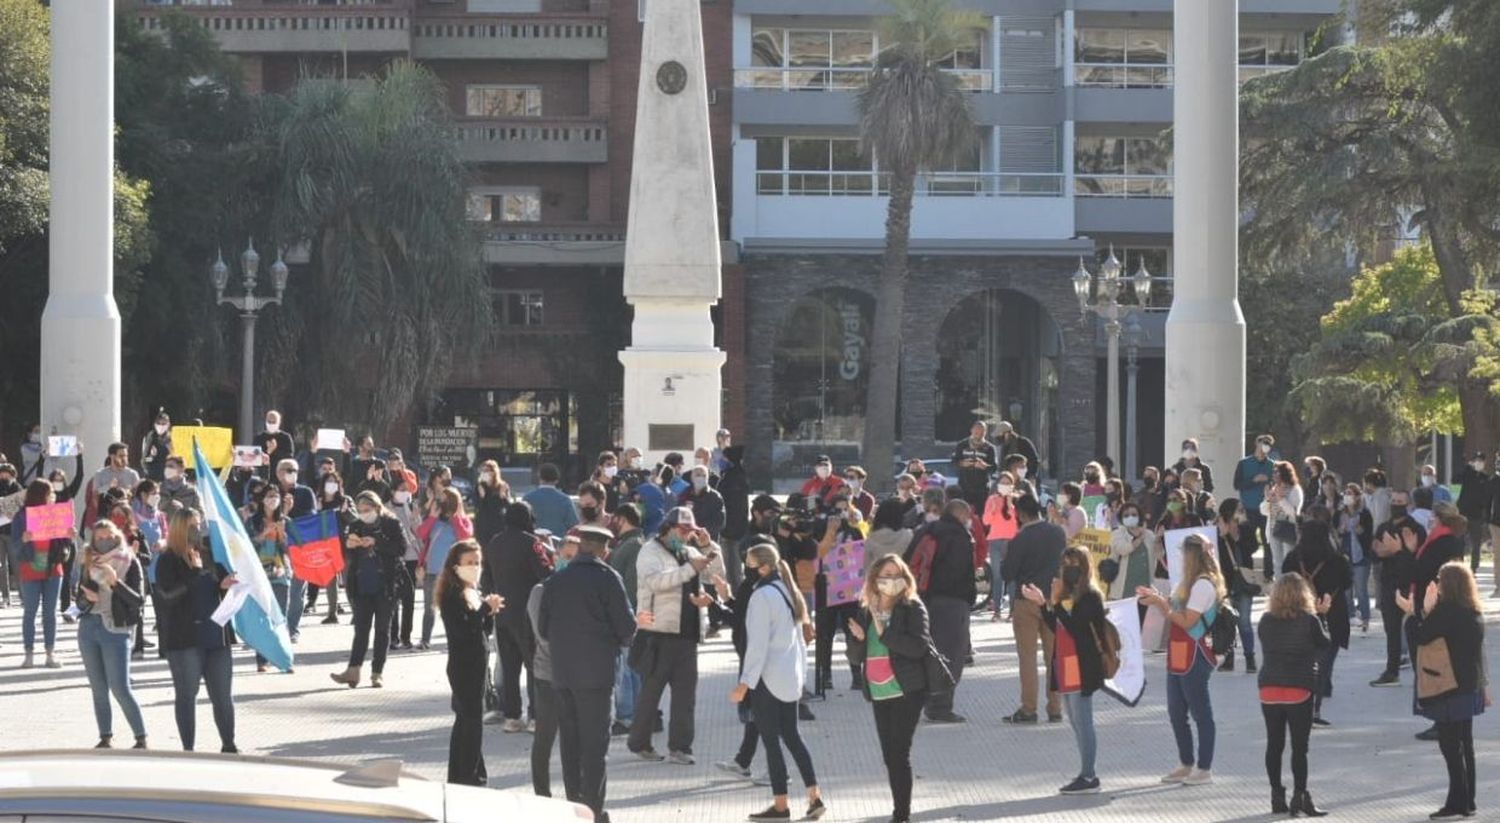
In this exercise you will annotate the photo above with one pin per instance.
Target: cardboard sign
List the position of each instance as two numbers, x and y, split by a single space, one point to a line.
49 522
217 444
1172 544
62 445
1095 540
844 566
329 439
248 456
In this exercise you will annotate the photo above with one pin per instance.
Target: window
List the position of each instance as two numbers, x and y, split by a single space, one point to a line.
810 58
518 308
503 101
516 205
1262 52
1123 166
812 165
1123 58
967 55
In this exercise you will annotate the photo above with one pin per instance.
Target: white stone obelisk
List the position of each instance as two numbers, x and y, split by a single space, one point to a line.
1205 392
80 369
672 370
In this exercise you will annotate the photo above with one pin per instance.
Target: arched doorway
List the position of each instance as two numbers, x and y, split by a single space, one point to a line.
820 372
998 355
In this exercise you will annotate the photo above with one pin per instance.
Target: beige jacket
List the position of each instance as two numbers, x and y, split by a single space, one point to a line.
659 581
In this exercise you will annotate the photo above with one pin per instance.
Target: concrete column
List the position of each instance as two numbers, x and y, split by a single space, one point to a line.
1205 333
80 368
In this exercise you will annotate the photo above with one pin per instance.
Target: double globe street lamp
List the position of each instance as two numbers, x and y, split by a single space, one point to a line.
1100 294
249 306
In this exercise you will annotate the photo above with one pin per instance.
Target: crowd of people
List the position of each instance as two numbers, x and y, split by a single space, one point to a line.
600 599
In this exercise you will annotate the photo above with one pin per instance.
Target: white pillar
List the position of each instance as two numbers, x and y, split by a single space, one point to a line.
80 368
1205 344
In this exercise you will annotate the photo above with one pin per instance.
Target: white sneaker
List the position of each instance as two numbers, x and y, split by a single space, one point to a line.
52 662
513 725
731 767
1199 777
1178 774
494 717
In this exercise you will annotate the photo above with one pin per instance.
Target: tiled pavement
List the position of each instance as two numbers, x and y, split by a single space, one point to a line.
1367 768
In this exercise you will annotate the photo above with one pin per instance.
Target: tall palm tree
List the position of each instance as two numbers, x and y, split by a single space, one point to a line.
912 116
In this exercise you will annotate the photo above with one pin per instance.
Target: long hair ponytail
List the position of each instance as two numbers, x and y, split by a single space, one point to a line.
765 554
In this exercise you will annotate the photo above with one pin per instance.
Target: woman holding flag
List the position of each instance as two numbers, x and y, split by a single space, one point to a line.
267 528
468 619
189 586
375 574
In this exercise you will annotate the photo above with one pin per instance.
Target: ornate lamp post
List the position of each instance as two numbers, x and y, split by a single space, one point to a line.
1101 295
249 306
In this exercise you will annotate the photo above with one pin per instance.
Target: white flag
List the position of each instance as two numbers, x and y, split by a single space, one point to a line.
1129 683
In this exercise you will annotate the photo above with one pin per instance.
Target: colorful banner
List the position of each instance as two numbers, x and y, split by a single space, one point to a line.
844 566
315 548
1129 683
217 444
49 522
1095 540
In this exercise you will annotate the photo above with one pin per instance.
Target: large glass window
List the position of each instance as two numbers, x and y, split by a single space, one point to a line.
1262 52
519 308
808 58
1123 58
1122 166
812 165
821 369
503 101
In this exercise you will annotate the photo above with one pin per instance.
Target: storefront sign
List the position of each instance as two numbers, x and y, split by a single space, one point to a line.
854 340
445 445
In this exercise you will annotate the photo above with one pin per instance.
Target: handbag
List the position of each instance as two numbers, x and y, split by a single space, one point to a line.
1109 569
1435 677
1109 648
1285 531
939 676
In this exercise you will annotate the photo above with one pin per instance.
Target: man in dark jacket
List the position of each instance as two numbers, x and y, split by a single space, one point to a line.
586 620
944 551
515 560
734 487
1395 543
976 463
706 503
1010 442
1033 556
1190 461
1474 504
155 447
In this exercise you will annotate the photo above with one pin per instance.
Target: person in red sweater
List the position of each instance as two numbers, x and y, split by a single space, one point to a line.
824 484
42 564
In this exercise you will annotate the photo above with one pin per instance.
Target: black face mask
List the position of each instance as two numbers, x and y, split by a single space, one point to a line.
752 575
589 512
1071 575
1398 512
1112 497
1149 482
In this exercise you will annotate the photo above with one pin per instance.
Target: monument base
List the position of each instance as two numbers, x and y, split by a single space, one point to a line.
672 400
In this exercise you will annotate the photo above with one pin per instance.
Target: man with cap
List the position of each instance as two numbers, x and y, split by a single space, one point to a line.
1190 461
1474 504
824 484
1010 442
585 619
671 612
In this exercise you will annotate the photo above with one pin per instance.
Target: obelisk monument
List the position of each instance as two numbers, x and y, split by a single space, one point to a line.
80 368
672 370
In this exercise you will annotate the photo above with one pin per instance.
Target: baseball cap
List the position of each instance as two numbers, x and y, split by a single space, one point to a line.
680 516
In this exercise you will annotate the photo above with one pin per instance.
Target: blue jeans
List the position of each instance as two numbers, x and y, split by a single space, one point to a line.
214 667
1080 708
627 687
1243 604
1188 694
1359 593
296 602
39 593
280 589
106 661
997 586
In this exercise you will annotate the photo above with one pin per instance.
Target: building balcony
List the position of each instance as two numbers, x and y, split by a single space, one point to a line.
1123 204
510 37
554 244
841 79
296 29
533 140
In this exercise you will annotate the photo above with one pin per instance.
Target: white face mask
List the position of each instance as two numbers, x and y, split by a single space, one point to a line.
272 428
1130 521
856 486
1006 488
153 501
1429 480
290 478
700 482
1349 500
1477 465
823 471
161 428
1189 454
58 486
170 473
330 489
486 477
931 517
890 587
1021 472
468 574
369 517
402 497
611 471
635 462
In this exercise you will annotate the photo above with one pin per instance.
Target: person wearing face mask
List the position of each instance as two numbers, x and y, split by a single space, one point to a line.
374 478
331 498
1010 443
928 509
625 524
1281 507
403 507
1070 514
190 586
1135 550
1000 526
1377 494
1032 557
1190 461
448 524
515 561
892 642
1474 504
468 617
493 497
1330 574
1429 481
824 483
942 557
1313 470
117 473
176 492
1354 529
1295 640
718 462
42 566
110 595
976 461
1237 560
1201 504
855 478
1150 496
267 530
33 456
1395 546
1074 612
1422 507
150 526
376 543
843 524
275 444
10 563
607 475
1330 495
706 503
1251 477
156 446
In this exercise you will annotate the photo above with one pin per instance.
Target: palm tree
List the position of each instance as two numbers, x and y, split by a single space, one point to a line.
912 116
367 175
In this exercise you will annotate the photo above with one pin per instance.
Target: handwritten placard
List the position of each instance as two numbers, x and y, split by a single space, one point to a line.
62 445
1095 540
247 456
330 439
844 566
49 522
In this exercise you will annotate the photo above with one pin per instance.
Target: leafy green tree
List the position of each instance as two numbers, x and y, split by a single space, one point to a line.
912 116
23 119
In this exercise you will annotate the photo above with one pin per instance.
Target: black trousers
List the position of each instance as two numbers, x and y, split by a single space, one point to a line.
748 744
1280 717
1456 740
777 721
896 725
371 608
513 641
675 665
829 620
466 741
545 706
1391 617
950 634
406 605
583 718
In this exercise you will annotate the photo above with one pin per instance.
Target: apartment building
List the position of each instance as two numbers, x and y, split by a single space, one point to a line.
543 93
1073 103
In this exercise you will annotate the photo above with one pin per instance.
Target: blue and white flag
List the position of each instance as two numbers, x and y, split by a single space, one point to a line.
257 619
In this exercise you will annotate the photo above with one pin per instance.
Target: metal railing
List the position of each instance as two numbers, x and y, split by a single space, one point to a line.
511 27
1130 186
554 233
531 130
929 184
275 20
840 79
1122 76
1251 72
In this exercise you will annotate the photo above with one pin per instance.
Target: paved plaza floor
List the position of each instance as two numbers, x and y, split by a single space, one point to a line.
1367 767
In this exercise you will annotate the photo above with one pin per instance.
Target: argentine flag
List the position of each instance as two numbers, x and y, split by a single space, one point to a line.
258 620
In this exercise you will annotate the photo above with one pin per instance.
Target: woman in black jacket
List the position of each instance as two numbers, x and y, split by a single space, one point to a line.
1236 559
373 577
494 499
514 562
467 618
1330 574
1074 611
892 642
1450 612
1293 640
189 586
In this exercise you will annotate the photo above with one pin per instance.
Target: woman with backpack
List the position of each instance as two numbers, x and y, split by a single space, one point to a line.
1329 572
1293 637
1074 611
1190 614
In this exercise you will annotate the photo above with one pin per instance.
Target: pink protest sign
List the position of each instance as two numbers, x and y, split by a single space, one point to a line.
844 566
50 521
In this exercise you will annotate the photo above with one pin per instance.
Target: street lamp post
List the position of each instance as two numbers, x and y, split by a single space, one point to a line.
1101 295
249 306
1133 334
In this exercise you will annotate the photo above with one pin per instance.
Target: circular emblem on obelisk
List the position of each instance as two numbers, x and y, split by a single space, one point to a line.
671 77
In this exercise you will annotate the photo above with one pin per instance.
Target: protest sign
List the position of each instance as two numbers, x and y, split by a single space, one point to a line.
247 457
446 445
330 440
1172 544
844 566
1129 683
217 444
49 522
62 445
1095 540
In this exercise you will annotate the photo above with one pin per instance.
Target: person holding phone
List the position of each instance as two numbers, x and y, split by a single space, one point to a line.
111 594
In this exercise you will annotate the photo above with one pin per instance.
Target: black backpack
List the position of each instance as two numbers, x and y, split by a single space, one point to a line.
1224 629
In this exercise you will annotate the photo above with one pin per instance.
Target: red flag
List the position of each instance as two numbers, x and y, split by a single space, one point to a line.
316 550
